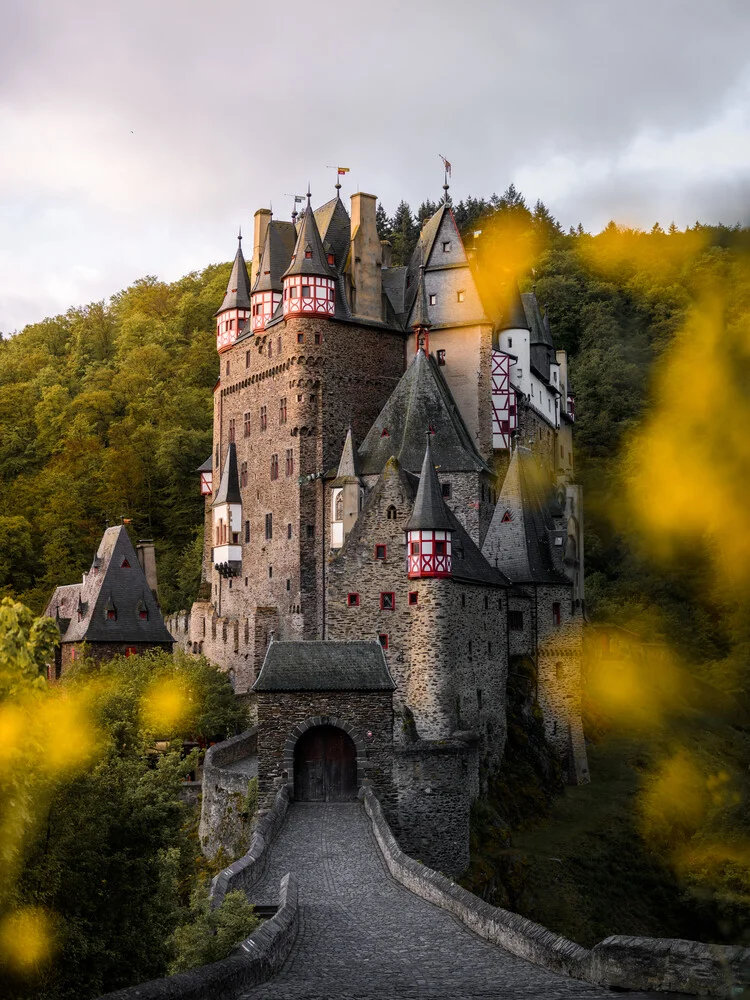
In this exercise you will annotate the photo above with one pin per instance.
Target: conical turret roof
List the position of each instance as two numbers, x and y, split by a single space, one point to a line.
430 512
309 255
420 317
349 464
229 487
238 287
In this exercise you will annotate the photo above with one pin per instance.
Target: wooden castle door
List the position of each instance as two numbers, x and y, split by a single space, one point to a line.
325 766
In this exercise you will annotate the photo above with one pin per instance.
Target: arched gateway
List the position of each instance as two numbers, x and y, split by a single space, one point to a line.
325 766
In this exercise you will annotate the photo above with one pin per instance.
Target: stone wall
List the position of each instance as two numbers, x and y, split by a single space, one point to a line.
623 963
254 960
222 824
282 715
436 782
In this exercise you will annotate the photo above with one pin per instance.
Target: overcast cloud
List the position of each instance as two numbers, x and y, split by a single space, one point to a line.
135 136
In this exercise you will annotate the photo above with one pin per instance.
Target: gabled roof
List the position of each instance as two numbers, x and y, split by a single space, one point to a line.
334 226
275 256
309 242
324 666
429 512
238 287
539 333
420 401
229 487
420 319
521 537
115 582
207 465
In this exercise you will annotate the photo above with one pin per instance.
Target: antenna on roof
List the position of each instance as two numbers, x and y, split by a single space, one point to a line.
239 236
446 175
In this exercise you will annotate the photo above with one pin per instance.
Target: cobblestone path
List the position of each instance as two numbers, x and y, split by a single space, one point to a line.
363 936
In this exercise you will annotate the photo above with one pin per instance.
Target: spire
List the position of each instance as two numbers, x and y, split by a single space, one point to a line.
349 464
275 256
309 255
430 513
238 288
229 487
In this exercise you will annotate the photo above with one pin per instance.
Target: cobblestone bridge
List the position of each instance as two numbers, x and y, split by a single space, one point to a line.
362 935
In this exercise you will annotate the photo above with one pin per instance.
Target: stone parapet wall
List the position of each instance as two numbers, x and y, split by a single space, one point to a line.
256 959
619 962
244 872
221 823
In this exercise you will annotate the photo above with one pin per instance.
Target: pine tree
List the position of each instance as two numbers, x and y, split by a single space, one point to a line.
383 223
404 234
426 210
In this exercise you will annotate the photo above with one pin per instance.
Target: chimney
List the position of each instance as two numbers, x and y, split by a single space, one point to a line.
366 256
147 558
386 253
260 226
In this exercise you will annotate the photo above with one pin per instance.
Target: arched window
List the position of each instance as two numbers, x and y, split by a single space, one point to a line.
338 513
391 513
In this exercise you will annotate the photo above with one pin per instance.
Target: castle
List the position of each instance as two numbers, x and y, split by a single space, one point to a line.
391 520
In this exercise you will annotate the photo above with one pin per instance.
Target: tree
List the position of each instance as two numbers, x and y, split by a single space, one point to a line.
382 222
405 232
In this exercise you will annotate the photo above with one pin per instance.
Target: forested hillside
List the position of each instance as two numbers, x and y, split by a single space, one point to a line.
106 411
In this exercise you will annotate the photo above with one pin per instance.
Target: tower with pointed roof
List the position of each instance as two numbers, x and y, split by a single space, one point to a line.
429 530
308 282
235 309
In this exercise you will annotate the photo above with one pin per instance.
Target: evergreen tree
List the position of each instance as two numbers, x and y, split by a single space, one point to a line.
426 210
382 222
405 232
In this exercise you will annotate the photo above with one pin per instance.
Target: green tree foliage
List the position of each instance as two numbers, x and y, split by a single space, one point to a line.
382 222
104 412
210 935
404 234
97 851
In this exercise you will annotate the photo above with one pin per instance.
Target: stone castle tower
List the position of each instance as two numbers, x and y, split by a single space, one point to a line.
392 469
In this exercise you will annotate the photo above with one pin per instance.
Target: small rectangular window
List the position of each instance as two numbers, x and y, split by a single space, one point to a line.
274 466
231 430
352 600
288 584
269 526
556 613
433 299
510 341
447 246
383 640
263 418
441 358
247 359
278 345
461 296
300 338
289 462
317 338
380 551
282 410
479 698
243 474
246 425
305 291
387 601
445 489
439 548
515 621
413 597
289 530
311 531
415 548
247 531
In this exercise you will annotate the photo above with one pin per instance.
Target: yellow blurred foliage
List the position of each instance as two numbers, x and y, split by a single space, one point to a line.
66 733
165 705
675 799
26 938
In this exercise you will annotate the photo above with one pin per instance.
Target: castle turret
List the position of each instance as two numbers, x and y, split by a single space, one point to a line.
429 531
420 322
346 491
309 281
227 518
274 257
235 308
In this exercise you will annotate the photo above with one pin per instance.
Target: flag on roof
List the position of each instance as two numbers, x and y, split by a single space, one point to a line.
446 164
342 170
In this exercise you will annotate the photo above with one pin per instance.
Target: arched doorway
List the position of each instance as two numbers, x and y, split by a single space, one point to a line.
325 766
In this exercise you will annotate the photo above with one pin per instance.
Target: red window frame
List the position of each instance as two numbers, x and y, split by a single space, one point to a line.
383 640
384 548
263 418
231 430
352 600
387 600
143 615
274 466
131 651
439 548
290 461
246 425
111 616
413 597
282 410
243 474
415 548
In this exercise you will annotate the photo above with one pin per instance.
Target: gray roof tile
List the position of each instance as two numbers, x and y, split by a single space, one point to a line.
324 666
229 487
275 257
238 287
429 512
309 242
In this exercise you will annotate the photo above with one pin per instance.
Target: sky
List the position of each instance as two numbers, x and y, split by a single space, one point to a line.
135 137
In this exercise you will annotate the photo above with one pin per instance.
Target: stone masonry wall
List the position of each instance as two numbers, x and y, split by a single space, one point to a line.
369 713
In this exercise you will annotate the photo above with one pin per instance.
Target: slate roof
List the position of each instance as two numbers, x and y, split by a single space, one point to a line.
420 317
238 287
324 666
523 547
207 465
394 287
229 487
420 401
111 584
309 241
429 512
334 226
542 348
349 464
468 563
275 256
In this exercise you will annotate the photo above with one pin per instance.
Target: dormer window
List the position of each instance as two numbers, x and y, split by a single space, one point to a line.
433 299
461 296
384 433
124 564
447 246
331 259
308 254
